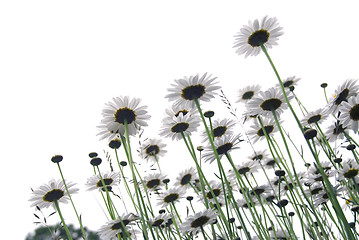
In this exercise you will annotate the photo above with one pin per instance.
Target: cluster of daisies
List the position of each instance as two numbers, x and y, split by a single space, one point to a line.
253 197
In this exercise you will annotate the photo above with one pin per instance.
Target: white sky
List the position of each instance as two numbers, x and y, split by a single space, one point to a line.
60 61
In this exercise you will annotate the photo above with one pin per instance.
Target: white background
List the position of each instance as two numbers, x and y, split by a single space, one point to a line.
60 61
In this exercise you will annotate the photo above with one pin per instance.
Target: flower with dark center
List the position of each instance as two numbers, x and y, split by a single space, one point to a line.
257 131
195 223
247 93
160 220
335 132
348 89
171 196
256 34
315 117
220 128
118 226
153 182
192 88
110 179
223 146
46 195
349 113
120 112
289 82
186 177
153 149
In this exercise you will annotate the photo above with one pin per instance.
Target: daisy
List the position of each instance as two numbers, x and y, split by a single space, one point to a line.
242 203
280 234
259 155
335 132
247 93
244 168
186 177
153 149
217 189
343 93
350 170
171 196
314 117
195 223
110 179
289 82
266 102
223 146
110 230
220 128
46 195
190 88
160 220
185 109
122 110
176 126
260 191
349 113
256 34
153 182
257 133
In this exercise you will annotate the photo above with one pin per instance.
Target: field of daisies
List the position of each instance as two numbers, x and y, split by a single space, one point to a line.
302 187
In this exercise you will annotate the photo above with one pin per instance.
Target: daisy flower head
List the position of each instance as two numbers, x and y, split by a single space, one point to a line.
223 146
186 177
176 126
289 82
251 37
217 190
315 117
349 113
335 132
267 102
160 220
195 223
343 93
188 89
46 195
110 179
120 111
259 155
171 196
176 110
152 149
220 128
244 168
257 133
154 181
247 93
350 170
110 230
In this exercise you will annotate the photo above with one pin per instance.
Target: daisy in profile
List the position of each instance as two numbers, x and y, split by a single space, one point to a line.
259 155
160 220
122 110
176 110
217 189
242 203
176 126
153 182
247 93
187 89
343 93
186 177
289 82
315 117
110 179
257 133
171 196
110 230
47 194
250 38
349 171
195 223
244 168
267 102
220 128
153 149
349 113
335 132
223 146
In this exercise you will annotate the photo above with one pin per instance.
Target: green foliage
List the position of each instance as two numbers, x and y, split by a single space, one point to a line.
57 232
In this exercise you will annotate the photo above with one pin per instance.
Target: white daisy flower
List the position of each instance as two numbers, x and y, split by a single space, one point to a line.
171 196
259 155
242 203
349 170
154 181
247 93
110 179
175 126
195 223
185 177
122 110
255 34
220 128
244 168
110 230
152 149
46 195
223 146
314 117
190 88
335 132
160 220
257 133
289 82
265 102
343 93
217 189
175 110
349 113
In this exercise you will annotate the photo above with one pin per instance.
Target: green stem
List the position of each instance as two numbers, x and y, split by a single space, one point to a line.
62 220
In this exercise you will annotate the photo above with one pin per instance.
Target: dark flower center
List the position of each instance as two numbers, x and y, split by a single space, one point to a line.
257 191
271 104
125 114
338 129
199 222
219 131
314 119
184 112
224 148
352 172
158 222
268 130
316 190
171 198
243 170
248 95
186 179
180 127
152 150
118 225
258 38
354 113
53 195
216 193
153 183
342 96
107 182
288 83
193 92
258 157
